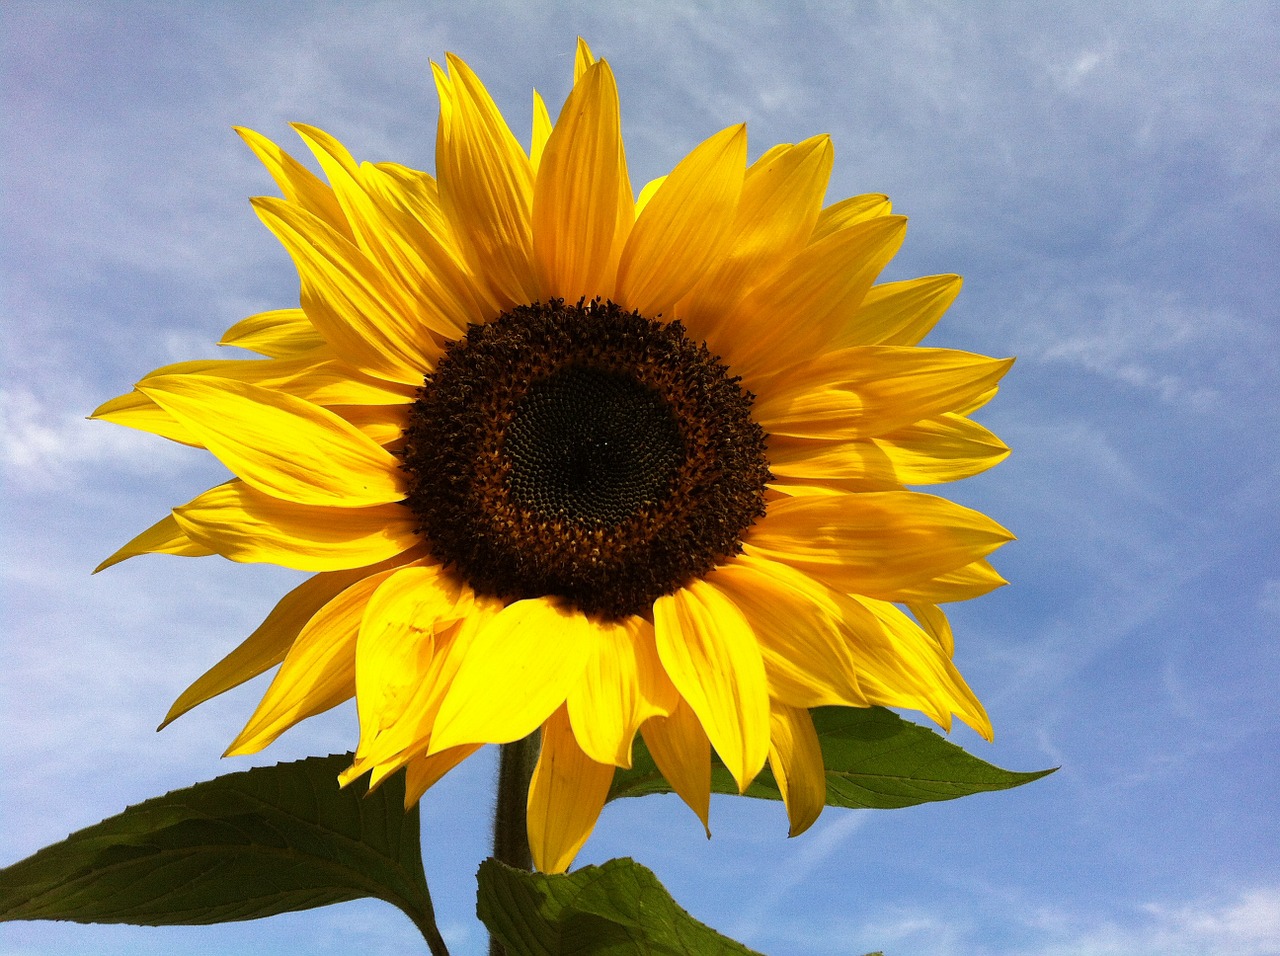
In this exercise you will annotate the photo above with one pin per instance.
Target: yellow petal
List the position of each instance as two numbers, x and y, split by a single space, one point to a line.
299 184
583 59
582 201
541 131
566 795
647 192
417 194
863 392
847 212
163 537
800 630
622 686
281 445
423 772
245 525
282 333
879 543
711 654
486 186
397 641
428 238
797 310
137 411
899 313
682 753
316 376
411 200
347 299
404 735
419 278
685 228
318 672
795 757
267 645
971 406
518 670
383 424
846 466
794 488
946 448
896 663
933 621
903 666
781 196
971 581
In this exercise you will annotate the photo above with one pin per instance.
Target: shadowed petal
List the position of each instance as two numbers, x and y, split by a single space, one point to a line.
795 757
877 543
566 795
245 525
682 752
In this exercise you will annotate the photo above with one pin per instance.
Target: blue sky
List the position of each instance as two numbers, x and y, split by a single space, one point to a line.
1106 177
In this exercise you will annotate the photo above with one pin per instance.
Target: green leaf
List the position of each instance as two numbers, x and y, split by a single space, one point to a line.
874 760
242 846
619 909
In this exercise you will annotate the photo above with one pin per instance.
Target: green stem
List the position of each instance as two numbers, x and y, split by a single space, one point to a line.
510 825
427 927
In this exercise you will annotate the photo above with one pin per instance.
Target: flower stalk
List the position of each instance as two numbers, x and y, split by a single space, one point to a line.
510 820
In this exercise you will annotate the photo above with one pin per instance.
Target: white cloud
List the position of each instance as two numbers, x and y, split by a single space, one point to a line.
1070 75
42 445
1244 924
1151 340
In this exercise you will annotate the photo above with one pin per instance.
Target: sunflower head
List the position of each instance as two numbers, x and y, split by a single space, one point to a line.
564 457
583 452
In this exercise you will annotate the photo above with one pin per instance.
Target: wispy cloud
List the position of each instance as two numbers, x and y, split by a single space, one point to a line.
822 842
1146 339
1242 923
1245 923
42 446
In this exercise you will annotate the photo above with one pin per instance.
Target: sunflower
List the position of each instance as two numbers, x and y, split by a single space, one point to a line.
564 458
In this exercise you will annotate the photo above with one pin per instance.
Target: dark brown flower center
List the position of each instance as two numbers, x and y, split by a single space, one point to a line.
583 452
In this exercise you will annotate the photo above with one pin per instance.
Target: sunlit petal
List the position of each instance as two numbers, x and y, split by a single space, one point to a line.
280 445
519 669
685 227
710 652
